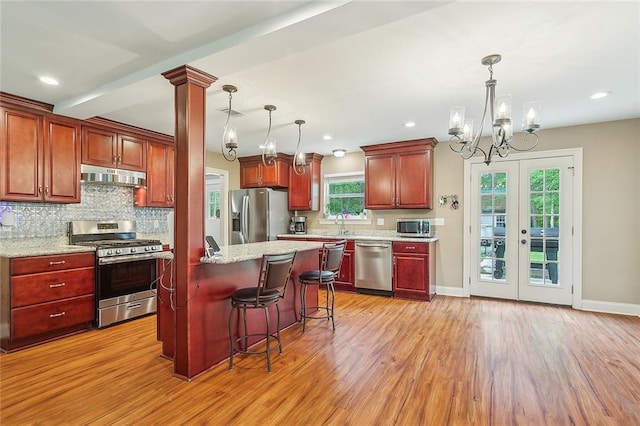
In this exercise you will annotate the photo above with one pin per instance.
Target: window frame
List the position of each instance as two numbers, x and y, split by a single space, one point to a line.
340 178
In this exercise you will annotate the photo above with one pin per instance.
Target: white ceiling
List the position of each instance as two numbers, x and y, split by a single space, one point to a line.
354 69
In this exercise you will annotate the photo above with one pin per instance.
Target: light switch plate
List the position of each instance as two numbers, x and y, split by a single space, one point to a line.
438 221
380 221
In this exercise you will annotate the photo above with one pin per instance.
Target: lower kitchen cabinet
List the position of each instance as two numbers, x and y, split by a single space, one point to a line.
414 270
45 297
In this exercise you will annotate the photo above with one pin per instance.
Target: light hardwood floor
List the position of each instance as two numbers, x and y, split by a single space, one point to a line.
389 362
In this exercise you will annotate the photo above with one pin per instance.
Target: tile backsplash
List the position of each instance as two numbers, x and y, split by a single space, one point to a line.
99 202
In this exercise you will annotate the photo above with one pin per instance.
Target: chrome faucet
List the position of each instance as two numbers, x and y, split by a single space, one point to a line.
342 230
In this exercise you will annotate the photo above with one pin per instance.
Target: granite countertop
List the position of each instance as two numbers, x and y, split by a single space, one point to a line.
39 247
370 235
240 252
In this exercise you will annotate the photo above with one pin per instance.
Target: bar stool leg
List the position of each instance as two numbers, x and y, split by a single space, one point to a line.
333 302
268 348
231 341
278 328
303 301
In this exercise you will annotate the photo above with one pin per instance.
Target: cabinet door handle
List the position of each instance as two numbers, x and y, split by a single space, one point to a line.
57 262
57 315
57 285
410 248
39 189
115 159
46 189
120 159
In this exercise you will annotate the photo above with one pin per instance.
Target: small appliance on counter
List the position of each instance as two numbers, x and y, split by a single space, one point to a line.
414 228
298 225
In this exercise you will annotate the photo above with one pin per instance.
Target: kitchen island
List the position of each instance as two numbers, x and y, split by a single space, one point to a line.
209 304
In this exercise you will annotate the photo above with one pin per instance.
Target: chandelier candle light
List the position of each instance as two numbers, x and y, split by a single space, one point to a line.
299 158
464 143
230 135
269 146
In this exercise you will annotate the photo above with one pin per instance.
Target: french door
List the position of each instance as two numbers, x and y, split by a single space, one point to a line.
521 229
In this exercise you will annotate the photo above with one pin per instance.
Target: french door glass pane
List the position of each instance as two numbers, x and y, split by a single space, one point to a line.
544 219
493 214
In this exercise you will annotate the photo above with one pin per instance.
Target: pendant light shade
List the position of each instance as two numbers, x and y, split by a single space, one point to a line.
269 147
229 142
299 158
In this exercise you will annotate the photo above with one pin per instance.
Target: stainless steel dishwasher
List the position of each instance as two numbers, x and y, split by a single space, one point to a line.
374 267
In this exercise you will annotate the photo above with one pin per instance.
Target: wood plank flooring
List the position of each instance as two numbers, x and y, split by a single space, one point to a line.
453 361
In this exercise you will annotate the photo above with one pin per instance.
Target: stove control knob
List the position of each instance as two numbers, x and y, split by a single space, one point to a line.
109 252
133 250
147 248
118 251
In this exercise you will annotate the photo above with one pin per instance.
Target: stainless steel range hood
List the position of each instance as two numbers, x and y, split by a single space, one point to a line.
112 176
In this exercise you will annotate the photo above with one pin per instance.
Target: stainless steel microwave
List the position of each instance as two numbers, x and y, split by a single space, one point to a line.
416 228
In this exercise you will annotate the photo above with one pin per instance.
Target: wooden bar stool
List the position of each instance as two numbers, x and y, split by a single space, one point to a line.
332 254
275 271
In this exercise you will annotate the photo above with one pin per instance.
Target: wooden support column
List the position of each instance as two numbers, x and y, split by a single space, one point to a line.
190 110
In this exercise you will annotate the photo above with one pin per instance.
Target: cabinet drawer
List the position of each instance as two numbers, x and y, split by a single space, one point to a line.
32 265
50 286
409 247
38 319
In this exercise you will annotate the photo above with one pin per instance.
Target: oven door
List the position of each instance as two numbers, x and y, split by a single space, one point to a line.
125 290
123 279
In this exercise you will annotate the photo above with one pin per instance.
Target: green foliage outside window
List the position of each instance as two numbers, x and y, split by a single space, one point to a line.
345 197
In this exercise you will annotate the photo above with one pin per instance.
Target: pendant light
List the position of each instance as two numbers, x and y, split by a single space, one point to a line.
299 158
229 136
269 146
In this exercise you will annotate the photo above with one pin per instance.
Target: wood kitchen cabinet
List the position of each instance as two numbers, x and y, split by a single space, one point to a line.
414 270
40 157
160 190
399 175
106 148
253 173
304 190
45 297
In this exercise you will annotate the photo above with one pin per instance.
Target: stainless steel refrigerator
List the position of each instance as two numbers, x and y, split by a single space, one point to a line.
258 214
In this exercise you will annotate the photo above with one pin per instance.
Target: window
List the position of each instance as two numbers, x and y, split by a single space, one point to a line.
214 204
344 193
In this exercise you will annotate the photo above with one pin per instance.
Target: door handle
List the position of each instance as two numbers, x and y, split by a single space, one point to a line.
523 241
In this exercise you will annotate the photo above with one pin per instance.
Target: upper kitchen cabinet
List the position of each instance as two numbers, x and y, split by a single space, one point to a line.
254 174
399 175
304 189
103 147
160 177
40 157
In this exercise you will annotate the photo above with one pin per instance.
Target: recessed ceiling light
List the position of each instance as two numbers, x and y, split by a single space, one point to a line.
49 80
600 95
409 124
327 137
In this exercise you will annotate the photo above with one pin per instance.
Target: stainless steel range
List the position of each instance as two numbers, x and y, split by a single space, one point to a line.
125 268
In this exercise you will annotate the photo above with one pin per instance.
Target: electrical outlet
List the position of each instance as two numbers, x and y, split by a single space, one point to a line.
380 221
438 221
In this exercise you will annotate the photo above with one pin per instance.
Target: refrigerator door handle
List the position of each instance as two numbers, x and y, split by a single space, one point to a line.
245 219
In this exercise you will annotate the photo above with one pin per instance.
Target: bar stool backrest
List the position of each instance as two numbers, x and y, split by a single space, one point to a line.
332 254
275 272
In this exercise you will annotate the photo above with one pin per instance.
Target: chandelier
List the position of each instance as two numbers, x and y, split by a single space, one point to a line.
229 136
299 158
464 143
269 146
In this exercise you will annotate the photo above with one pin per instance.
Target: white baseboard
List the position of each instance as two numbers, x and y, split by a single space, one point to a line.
611 307
450 291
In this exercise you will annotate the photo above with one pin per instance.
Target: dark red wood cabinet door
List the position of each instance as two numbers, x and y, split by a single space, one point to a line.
300 189
413 180
249 175
62 160
157 191
99 147
21 156
380 182
132 153
411 273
